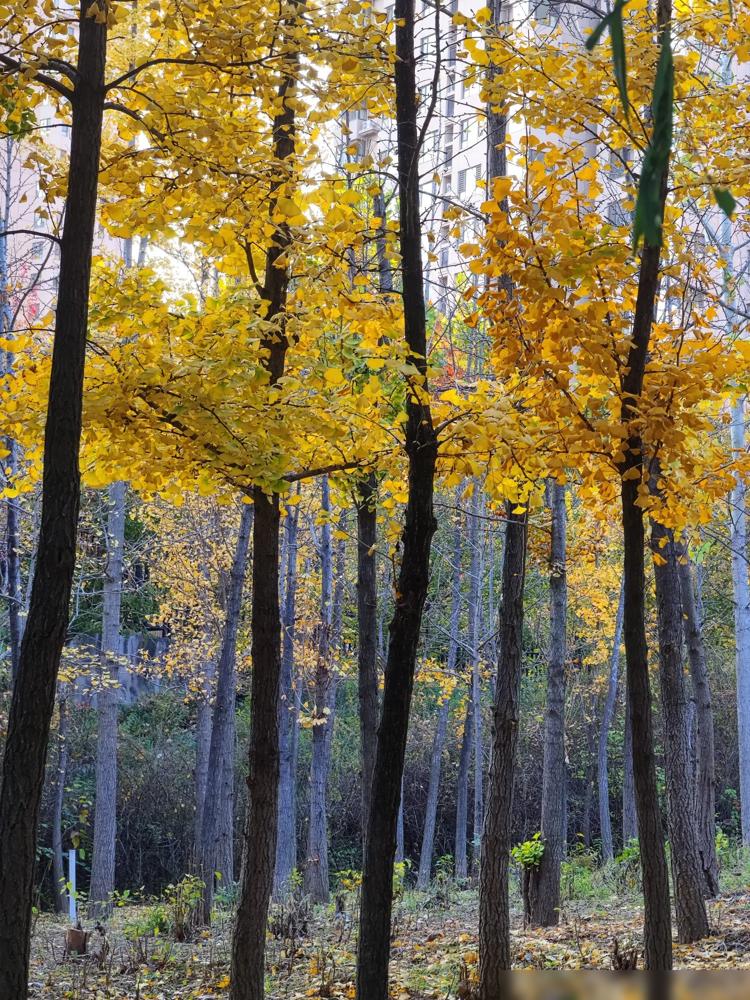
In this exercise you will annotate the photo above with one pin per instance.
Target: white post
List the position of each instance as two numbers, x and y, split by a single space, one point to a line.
72 907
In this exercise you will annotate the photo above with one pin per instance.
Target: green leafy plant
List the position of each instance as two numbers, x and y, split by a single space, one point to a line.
183 899
529 853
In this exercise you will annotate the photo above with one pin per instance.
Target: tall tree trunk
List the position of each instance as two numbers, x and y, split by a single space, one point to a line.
438 744
259 835
602 759
220 788
367 624
286 844
202 749
687 875
705 780
657 931
107 705
460 854
316 864
741 587
474 612
629 812
58 869
400 854
33 698
494 903
544 881
419 527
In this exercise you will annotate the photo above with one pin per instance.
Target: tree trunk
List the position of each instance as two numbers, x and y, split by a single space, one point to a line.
419 527
220 787
286 844
202 749
687 874
259 835
544 880
741 587
107 705
474 613
367 624
33 698
705 780
438 745
629 812
461 861
657 932
494 904
602 759
58 869
400 849
316 864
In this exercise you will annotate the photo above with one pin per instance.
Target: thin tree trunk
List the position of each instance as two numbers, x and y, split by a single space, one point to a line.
286 844
367 623
438 745
107 698
705 780
220 788
544 880
629 812
741 587
494 903
400 849
259 835
460 854
474 613
316 864
419 527
657 931
687 874
33 698
58 870
202 749
602 759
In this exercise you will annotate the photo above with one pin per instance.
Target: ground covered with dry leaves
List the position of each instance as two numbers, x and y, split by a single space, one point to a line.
312 952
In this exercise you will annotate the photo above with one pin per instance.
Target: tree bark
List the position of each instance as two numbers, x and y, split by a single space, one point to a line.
259 835
316 864
58 868
602 759
33 698
367 625
107 699
438 745
687 874
286 844
629 812
494 903
202 749
220 787
460 854
544 880
705 777
474 613
419 527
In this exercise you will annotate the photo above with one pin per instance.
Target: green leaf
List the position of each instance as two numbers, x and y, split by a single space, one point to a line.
725 200
649 206
613 21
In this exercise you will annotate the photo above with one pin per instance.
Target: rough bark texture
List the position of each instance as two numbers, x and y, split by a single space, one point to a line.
419 527
602 757
220 786
687 873
494 905
657 931
474 613
107 699
259 835
460 855
629 812
741 587
544 880
316 862
202 748
367 625
33 698
438 745
705 779
58 868
286 843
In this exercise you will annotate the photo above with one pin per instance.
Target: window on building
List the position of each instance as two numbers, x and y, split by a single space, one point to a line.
463 133
463 177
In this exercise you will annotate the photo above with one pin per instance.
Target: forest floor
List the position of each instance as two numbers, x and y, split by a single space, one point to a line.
312 953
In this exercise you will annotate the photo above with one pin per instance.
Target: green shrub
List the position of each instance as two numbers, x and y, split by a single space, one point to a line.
529 854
